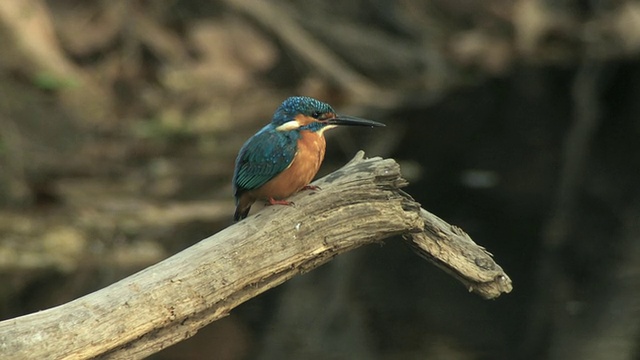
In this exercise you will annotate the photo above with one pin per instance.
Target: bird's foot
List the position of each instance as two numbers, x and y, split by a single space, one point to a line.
273 201
311 187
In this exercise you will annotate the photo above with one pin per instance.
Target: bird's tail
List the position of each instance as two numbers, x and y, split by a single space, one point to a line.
242 210
241 213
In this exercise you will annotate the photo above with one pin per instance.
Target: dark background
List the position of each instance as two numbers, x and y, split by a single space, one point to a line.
515 120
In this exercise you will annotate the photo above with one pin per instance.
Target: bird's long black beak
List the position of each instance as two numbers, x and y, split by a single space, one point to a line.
352 121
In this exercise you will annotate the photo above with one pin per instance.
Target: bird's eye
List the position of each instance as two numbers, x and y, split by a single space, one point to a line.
316 114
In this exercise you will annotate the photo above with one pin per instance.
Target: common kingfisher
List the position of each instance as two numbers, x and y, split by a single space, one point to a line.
285 155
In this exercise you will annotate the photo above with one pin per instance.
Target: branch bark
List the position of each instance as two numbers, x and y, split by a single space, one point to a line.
166 303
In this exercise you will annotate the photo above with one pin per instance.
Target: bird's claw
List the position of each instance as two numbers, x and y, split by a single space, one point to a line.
280 202
311 187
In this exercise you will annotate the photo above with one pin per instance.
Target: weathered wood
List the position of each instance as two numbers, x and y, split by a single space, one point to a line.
168 302
452 250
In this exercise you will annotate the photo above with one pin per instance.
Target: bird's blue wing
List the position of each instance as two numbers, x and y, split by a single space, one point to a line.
262 157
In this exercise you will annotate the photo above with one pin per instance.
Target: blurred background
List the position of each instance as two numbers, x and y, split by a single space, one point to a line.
516 120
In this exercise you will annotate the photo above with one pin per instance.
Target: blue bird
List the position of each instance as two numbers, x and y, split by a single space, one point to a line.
285 155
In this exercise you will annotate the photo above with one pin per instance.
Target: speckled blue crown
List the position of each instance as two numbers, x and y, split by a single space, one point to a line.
299 105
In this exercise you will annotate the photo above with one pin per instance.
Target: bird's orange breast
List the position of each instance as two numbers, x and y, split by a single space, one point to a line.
303 168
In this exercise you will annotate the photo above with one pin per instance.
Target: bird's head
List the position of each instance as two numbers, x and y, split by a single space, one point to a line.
304 113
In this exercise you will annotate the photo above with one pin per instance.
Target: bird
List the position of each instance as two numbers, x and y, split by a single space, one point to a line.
285 155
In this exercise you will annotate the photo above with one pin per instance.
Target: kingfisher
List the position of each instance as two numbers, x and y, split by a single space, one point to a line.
285 155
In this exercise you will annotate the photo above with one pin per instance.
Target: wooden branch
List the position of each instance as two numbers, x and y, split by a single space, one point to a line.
452 250
168 302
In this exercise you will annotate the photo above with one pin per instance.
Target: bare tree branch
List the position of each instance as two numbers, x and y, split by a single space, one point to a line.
452 250
168 302
304 44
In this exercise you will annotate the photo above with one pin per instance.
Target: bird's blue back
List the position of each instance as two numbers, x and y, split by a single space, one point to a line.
265 155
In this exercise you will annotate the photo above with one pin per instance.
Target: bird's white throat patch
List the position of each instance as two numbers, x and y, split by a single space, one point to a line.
327 127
